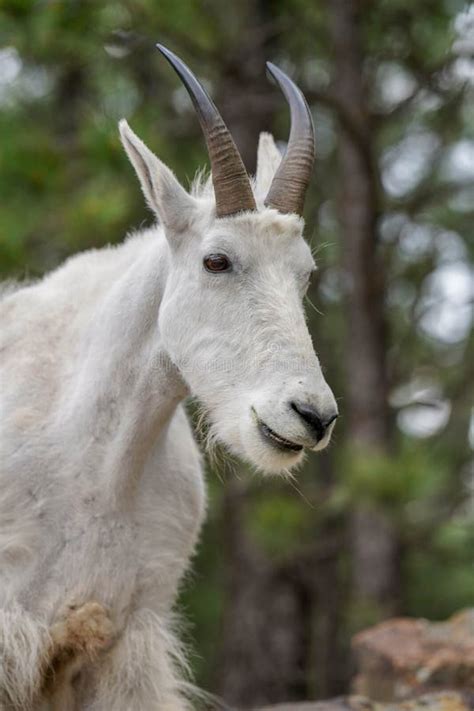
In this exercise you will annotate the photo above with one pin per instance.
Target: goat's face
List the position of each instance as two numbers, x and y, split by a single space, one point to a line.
232 319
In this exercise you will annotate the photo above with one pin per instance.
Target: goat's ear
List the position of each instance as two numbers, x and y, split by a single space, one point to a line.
268 160
174 207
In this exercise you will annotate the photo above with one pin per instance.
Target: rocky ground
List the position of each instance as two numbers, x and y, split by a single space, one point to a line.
406 664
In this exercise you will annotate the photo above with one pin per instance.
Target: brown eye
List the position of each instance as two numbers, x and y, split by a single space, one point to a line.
217 263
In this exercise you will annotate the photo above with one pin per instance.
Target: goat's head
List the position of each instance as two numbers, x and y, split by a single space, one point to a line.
231 318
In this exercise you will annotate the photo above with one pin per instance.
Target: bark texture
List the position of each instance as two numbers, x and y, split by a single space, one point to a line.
374 545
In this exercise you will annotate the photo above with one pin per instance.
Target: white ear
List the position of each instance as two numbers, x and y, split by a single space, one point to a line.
268 160
163 193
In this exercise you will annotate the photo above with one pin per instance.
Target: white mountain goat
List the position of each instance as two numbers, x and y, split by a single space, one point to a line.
101 488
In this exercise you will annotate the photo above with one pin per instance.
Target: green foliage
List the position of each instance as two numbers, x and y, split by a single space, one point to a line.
414 474
439 574
278 523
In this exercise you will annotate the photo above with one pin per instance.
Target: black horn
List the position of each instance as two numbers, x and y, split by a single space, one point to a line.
231 183
288 189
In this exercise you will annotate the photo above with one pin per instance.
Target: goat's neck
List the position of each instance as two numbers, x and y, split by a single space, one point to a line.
126 389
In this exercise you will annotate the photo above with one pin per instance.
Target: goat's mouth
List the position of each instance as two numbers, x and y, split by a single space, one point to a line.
277 440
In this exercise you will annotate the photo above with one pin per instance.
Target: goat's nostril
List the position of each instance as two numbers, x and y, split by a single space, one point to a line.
330 420
312 418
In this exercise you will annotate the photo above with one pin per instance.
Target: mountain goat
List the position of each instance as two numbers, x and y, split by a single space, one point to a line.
101 489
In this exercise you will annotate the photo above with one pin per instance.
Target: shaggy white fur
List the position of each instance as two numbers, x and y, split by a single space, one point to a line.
101 489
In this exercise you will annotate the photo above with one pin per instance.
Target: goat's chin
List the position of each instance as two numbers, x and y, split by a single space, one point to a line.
245 441
269 460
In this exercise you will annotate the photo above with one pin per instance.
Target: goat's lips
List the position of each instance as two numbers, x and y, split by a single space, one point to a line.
276 439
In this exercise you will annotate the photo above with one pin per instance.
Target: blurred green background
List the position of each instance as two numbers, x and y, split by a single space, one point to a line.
383 522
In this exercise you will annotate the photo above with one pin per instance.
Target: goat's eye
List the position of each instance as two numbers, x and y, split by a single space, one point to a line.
217 263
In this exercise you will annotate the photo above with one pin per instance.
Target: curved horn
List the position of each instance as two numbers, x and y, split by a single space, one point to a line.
231 182
288 189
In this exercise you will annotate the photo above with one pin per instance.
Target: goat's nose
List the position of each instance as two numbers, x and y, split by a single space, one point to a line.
313 419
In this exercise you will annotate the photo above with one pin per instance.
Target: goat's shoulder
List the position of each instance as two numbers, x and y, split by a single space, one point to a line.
75 285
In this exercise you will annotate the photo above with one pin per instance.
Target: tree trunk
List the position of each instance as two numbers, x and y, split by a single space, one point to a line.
374 542
266 622
245 96
280 632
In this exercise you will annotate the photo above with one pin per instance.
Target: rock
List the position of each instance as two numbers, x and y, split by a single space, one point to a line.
441 701
404 657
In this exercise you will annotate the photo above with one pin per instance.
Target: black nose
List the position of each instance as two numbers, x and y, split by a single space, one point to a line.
312 418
